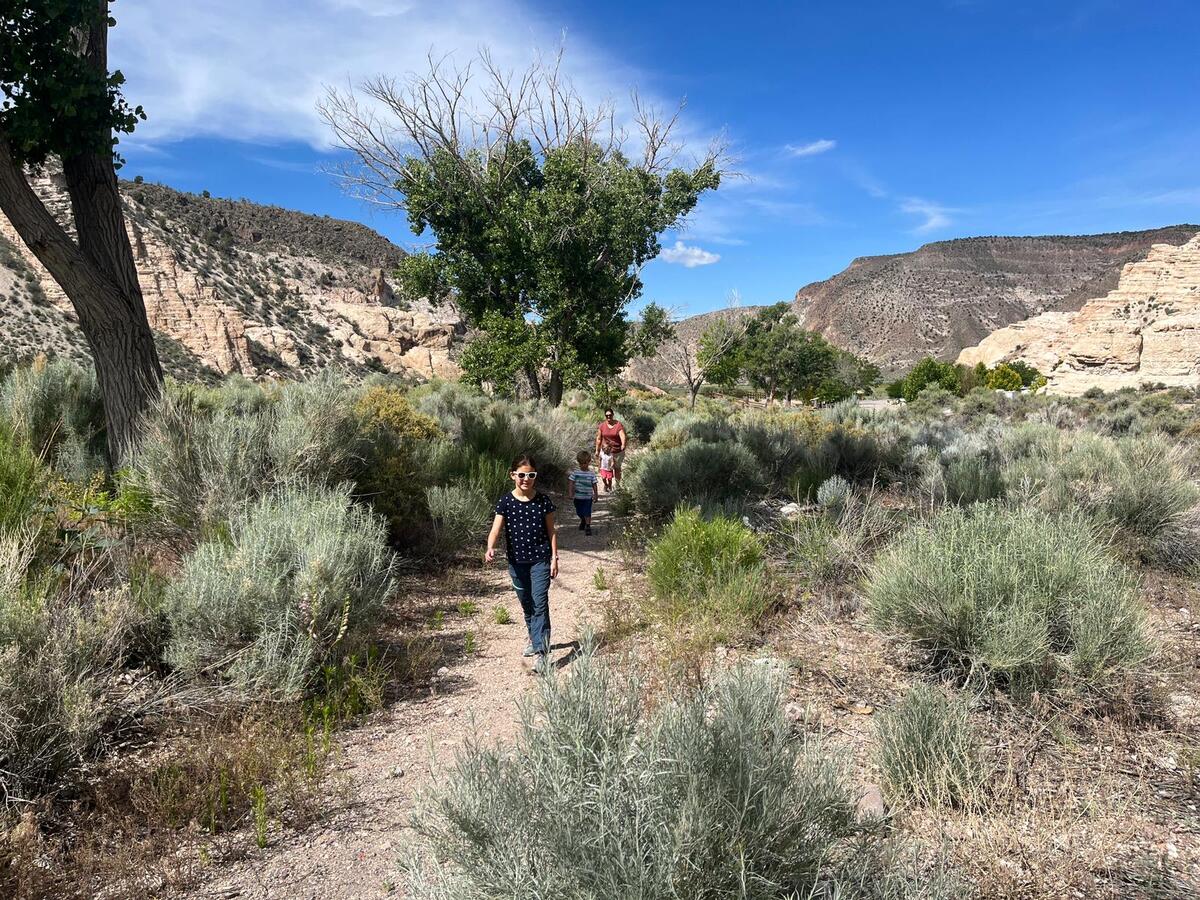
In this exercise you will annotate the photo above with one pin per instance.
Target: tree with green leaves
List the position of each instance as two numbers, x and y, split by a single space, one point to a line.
1004 378
778 356
931 371
541 219
61 102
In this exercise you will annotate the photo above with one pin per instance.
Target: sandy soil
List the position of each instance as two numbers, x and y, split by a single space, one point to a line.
353 852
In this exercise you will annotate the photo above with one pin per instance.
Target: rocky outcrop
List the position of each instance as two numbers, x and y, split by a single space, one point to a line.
949 295
1146 330
235 287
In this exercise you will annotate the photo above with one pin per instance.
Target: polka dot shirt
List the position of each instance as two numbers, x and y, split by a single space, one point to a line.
525 531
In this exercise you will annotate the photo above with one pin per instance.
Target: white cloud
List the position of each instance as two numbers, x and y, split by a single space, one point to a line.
934 215
688 257
814 148
253 70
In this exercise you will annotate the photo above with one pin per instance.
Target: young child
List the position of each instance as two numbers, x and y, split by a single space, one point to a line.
606 469
587 489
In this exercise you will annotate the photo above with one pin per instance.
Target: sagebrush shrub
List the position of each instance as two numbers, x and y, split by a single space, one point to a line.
838 544
695 473
58 643
1136 488
833 493
1012 596
928 750
708 796
299 581
460 514
49 405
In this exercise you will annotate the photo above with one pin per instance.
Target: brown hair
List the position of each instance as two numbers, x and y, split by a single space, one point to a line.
523 460
583 457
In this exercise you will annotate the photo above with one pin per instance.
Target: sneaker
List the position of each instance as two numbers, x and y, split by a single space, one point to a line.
588 530
528 651
542 664
581 524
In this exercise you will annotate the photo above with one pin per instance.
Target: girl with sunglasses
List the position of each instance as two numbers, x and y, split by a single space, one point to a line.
527 517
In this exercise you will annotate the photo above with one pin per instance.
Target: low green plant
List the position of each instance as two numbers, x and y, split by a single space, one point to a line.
468 609
708 578
23 488
1014 597
929 752
707 795
258 802
501 615
599 579
460 514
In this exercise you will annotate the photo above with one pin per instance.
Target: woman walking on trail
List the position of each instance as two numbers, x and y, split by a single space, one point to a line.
610 440
532 548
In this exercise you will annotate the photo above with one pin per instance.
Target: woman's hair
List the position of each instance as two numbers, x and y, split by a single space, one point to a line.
608 410
583 457
523 460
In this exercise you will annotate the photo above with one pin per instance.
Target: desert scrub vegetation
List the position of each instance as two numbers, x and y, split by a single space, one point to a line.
297 582
706 796
929 752
696 472
1013 597
709 581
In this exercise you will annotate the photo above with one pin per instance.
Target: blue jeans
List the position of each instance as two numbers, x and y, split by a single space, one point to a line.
531 581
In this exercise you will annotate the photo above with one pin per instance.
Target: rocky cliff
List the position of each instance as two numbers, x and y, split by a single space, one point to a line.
237 287
949 295
1145 330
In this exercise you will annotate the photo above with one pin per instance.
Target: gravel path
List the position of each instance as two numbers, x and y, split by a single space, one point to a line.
352 853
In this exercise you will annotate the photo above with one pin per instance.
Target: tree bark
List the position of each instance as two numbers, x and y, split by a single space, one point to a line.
694 391
554 389
97 274
535 382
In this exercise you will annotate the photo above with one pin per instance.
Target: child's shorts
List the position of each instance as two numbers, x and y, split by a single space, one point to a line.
583 507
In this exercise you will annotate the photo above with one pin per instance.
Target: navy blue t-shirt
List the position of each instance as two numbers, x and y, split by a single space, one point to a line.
525 527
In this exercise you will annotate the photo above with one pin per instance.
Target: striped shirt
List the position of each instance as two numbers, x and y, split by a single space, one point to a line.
585 483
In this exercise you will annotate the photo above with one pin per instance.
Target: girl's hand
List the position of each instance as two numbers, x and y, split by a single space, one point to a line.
554 567
490 555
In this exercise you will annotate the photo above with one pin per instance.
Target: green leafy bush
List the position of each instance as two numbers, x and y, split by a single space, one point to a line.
298 582
1012 596
708 578
694 473
681 426
708 796
929 752
1004 378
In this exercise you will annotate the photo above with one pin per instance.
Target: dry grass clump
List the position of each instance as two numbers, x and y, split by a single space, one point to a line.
929 751
1014 597
708 796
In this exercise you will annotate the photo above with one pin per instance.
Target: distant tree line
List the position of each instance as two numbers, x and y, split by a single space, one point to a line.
961 380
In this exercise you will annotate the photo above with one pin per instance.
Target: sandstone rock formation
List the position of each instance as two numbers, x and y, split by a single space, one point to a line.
951 294
236 287
1146 330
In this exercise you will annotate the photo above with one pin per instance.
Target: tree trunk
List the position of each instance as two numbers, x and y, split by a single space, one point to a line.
554 390
694 391
99 278
535 382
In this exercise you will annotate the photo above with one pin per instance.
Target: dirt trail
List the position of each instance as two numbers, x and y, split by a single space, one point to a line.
353 852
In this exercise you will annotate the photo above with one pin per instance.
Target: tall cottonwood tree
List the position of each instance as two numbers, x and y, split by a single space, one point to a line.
542 221
61 101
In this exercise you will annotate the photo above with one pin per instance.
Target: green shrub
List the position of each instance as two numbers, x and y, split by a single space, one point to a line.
1012 596
681 426
460 513
927 373
1004 378
200 466
52 404
708 796
1136 488
695 473
708 579
929 752
836 545
59 641
833 493
298 582
23 483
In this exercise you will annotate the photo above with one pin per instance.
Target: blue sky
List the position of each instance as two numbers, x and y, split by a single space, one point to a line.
860 127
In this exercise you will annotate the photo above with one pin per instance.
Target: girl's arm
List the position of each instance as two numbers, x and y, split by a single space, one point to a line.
553 544
493 536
